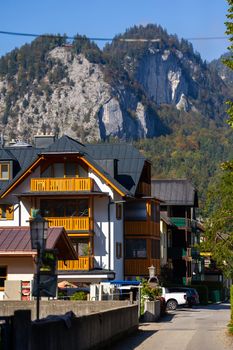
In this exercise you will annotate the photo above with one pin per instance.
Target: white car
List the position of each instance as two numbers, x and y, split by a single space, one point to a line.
173 299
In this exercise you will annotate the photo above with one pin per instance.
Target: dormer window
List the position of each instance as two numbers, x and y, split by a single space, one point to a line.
4 171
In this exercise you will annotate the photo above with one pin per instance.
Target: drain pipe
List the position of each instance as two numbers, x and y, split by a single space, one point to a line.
109 233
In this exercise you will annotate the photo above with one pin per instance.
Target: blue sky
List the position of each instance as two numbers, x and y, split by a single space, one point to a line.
106 18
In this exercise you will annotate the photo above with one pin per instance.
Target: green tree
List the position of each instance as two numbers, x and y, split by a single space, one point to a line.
229 61
219 225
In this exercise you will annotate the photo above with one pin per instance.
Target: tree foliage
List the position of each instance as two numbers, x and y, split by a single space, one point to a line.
219 224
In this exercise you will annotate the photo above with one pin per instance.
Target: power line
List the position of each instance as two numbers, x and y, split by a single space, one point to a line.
105 39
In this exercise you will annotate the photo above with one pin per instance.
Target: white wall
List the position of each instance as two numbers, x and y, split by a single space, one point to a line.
163 243
101 223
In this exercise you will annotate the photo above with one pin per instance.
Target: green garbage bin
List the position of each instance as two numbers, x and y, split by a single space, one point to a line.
215 296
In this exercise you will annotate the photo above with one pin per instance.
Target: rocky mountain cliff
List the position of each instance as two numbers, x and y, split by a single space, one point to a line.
54 87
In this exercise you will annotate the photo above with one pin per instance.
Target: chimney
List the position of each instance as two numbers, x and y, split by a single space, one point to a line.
43 141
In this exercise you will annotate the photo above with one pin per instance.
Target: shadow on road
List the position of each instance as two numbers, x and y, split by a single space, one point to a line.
133 340
221 306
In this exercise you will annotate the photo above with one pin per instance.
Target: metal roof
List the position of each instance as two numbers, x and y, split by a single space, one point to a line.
130 161
15 240
175 192
129 166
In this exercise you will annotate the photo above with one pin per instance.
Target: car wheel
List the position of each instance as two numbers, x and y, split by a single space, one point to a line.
172 304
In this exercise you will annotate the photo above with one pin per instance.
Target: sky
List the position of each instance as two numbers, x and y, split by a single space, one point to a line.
107 18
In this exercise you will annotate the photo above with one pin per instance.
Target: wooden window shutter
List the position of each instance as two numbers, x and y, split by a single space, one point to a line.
10 212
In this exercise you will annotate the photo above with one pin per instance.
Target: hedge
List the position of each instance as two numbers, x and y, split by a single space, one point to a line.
232 304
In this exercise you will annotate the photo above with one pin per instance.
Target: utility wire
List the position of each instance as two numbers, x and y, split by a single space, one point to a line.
105 39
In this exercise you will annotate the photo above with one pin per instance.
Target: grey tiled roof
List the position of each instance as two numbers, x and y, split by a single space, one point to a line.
130 161
175 192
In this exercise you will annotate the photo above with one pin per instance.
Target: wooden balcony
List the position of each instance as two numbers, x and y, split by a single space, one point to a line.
144 228
61 184
84 263
139 267
71 224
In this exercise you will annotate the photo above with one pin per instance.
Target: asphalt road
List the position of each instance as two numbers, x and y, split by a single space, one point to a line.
200 328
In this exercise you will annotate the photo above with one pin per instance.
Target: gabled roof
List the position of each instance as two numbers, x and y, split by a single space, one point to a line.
130 162
129 166
5 154
16 241
175 192
65 144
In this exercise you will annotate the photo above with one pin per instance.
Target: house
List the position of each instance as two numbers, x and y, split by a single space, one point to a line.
101 196
179 231
17 259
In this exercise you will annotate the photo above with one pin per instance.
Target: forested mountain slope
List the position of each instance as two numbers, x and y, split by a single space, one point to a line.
160 95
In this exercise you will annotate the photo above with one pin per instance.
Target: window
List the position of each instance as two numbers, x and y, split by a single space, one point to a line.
118 211
3 276
4 171
155 214
118 250
6 212
81 246
65 208
65 169
135 211
135 248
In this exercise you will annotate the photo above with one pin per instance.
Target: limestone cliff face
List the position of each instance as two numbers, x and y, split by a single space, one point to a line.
81 105
84 104
165 81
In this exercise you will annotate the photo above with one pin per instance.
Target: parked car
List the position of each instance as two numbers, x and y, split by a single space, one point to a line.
192 294
173 299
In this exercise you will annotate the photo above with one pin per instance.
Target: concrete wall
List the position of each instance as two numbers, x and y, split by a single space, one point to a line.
152 311
58 307
74 333
85 332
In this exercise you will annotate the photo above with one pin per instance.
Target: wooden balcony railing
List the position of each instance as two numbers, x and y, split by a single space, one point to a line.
61 184
83 263
148 228
71 224
139 267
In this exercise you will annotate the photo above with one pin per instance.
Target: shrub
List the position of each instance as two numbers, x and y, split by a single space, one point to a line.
79 296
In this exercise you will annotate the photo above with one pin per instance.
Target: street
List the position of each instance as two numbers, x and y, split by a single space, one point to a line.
203 327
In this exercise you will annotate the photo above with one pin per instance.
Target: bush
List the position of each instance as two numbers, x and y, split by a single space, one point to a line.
232 305
230 326
79 296
212 287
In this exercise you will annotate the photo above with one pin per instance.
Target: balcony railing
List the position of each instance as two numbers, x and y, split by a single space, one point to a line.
61 184
71 224
83 263
148 228
181 222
